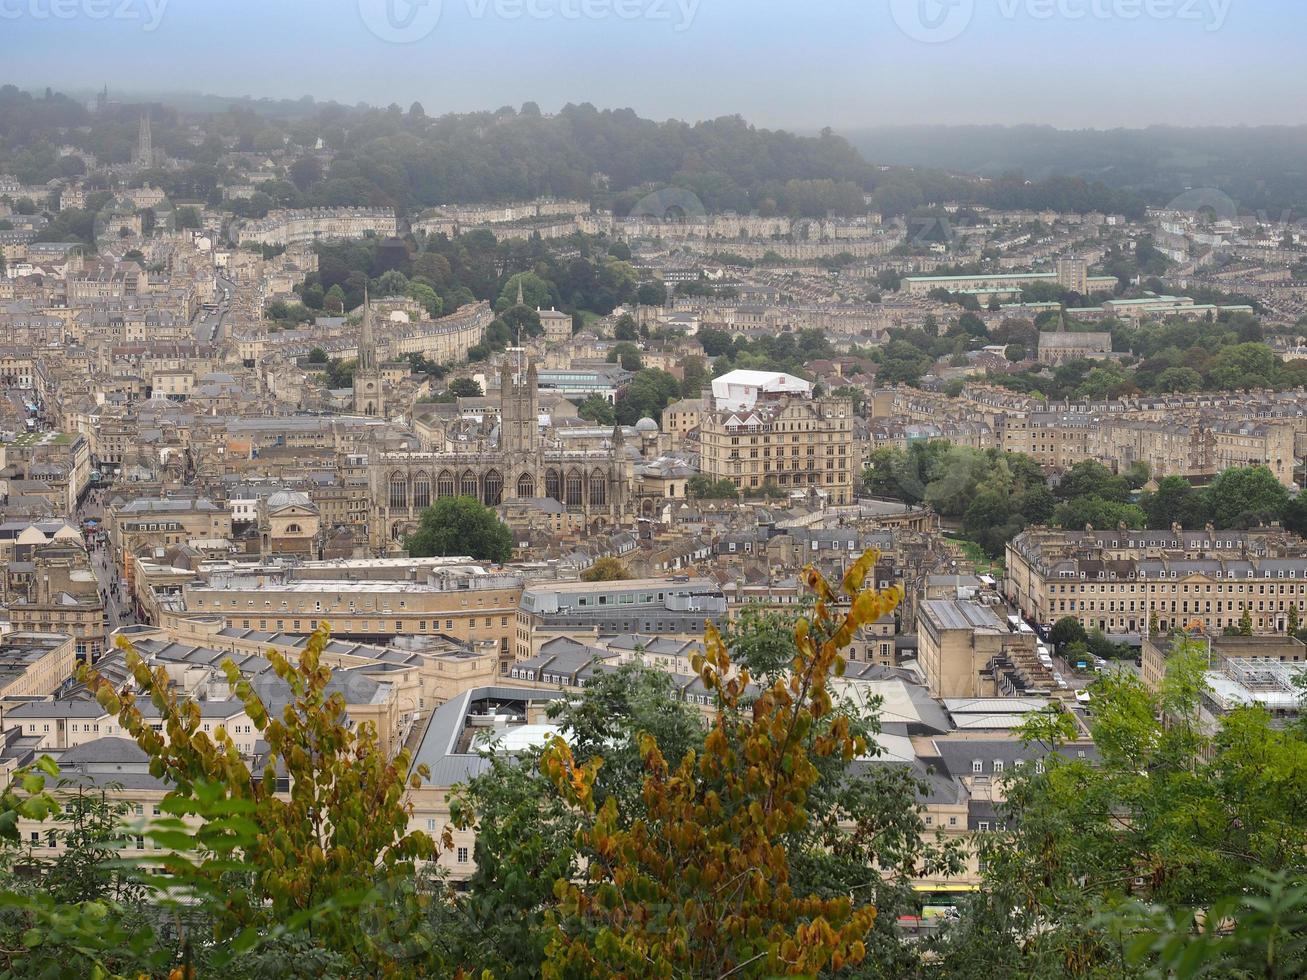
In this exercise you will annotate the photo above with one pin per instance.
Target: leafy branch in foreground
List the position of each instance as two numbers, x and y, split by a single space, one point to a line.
699 882
319 832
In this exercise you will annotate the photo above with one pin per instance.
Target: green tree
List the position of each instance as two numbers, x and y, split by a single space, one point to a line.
1178 379
695 376
606 569
704 859
537 293
1093 479
625 328
1169 814
427 297
700 487
971 324
317 356
465 388
460 526
627 355
499 920
955 474
649 392
522 322
652 294
597 408
1175 501
762 642
992 520
1246 497
1075 515
391 283
1258 932
333 301
1242 366
1295 515
340 373
1066 631
344 825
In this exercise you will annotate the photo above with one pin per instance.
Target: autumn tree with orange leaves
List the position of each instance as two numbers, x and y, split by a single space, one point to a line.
699 883
317 838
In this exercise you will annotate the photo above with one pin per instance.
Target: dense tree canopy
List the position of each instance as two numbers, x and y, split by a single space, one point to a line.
996 495
1102 864
455 526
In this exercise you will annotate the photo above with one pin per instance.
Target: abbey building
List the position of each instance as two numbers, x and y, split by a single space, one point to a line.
515 462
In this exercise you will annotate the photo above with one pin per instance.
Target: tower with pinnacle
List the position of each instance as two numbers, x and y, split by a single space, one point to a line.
144 156
369 398
519 408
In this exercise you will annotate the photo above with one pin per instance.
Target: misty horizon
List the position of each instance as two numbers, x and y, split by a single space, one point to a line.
179 97
1072 64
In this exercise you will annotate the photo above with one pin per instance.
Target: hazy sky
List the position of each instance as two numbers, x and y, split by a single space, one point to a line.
795 63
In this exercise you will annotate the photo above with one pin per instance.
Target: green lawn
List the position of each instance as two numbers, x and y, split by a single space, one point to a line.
972 552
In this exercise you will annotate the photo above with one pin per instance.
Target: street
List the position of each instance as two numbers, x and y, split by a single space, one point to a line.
118 606
208 325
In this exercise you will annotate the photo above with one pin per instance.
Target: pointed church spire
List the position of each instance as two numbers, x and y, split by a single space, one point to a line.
521 296
367 343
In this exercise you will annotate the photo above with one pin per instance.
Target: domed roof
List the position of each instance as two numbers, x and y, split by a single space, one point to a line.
288 498
646 424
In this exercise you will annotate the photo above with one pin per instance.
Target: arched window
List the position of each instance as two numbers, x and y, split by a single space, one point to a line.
293 529
421 491
445 484
553 487
398 490
526 486
494 489
598 489
467 486
573 489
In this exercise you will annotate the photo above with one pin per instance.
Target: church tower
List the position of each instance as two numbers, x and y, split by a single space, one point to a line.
519 405
144 144
619 475
368 395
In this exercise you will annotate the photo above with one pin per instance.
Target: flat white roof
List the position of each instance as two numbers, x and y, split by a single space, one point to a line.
741 376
